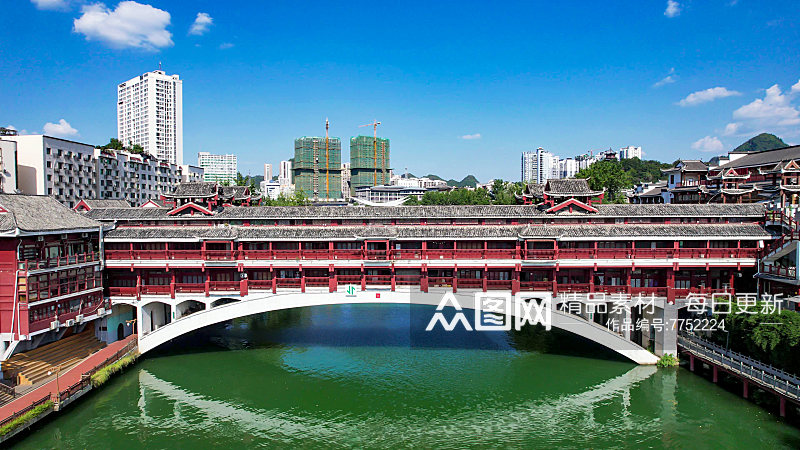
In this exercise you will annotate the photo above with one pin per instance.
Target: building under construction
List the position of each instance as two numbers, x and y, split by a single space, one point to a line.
317 167
369 161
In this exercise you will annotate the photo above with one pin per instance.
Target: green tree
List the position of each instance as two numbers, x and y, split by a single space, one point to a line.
608 175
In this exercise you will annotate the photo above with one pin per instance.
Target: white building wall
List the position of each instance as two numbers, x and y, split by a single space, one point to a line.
150 114
218 168
8 166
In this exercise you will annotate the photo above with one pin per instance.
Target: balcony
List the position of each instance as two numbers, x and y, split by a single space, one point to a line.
29 265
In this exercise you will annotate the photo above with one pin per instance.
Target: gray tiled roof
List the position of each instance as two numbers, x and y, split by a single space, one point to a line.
769 157
235 192
39 213
431 212
569 187
107 203
194 190
669 231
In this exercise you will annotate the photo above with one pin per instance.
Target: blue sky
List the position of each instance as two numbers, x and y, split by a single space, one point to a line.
460 87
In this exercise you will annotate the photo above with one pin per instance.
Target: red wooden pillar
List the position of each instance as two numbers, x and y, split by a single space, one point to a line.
300 251
691 362
131 250
138 284
330 251
592 272
393 278
332 284
517 250
423 281
166 250
244 288
208 280
274 280
203 250
782 406
745 388
424 254
714 373
515 280
363 279
172 285
485 250
240 248
455 278
485 280
302 280
671 285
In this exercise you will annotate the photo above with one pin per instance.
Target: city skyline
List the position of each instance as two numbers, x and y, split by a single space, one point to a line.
672 92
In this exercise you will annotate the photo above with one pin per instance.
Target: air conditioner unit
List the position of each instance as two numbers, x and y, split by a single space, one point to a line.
54 325
69 323
79 318
101 311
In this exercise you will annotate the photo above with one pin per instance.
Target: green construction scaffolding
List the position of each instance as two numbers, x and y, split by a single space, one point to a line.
317 169
369 161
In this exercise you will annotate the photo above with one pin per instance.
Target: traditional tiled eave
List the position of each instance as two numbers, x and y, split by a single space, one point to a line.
635 232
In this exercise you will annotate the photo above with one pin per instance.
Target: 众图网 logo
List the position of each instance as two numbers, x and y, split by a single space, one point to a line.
496 311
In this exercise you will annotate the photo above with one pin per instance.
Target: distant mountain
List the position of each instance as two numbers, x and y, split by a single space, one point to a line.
760 143
467 181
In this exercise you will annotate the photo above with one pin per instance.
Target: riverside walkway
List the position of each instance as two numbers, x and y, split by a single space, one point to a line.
65 380
784 385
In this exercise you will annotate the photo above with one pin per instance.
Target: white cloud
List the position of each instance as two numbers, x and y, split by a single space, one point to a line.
673 9
131 24
225 46
708 95
774 110
201 24
60 129
731 128
796 88
708 144
470 137
51 4
669 79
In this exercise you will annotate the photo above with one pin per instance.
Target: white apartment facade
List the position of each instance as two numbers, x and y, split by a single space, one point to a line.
8 166
218 168
421 182
270 189
267 172
630 152
138 178
538 166
150 114
61 168
567 168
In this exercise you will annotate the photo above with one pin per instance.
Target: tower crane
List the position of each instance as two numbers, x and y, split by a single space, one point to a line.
374 126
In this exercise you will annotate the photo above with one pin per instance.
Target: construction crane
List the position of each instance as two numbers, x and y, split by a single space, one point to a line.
327 168
374 126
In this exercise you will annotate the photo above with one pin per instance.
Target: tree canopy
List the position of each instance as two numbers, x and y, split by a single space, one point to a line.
608 175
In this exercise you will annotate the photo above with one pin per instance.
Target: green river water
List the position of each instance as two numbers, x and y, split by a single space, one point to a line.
370 376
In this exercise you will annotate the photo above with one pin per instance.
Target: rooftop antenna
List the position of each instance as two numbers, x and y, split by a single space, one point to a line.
159 65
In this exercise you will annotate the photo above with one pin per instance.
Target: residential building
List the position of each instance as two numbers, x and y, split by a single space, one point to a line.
137 178
420 182
369 161
317 167
53 166
270 189
8 166
567 168
191 174
345 180
150 114
685 181
285 173
537 166
630 152
388 194
267 172
218 168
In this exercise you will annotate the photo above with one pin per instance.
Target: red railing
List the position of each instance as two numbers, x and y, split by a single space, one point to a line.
574 287
611 289
780 271
317 281
259 284
190 287
407 253
536 285
378 279
316 254
288 282
376 254
122 291
155 289
348 279
657 291
540 254
498 284
440 281
223 285
407 280
469 283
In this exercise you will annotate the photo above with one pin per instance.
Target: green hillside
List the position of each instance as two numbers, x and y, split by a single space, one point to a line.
760 143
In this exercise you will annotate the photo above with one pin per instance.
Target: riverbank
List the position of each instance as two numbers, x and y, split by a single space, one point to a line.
70 385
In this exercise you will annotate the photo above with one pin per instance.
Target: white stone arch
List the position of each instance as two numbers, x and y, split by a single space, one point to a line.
261 303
